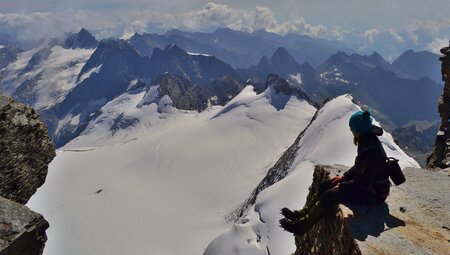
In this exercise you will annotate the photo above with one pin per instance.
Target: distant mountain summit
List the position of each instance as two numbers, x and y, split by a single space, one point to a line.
284 65
82 40
196 67
415 65
240 49
284 62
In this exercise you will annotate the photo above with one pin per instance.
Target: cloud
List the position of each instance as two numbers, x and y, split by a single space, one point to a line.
338 33
36 25
371 34
417 29
438 44
208 17
397 37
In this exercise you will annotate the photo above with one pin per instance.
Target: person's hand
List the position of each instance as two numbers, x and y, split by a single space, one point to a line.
335 187
336 180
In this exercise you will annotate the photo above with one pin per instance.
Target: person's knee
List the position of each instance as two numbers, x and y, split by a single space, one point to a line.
328 199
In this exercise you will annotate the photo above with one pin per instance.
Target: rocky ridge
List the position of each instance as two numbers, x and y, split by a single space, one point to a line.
25 152
440 156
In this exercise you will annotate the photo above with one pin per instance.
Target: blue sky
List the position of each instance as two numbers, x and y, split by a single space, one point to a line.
412 23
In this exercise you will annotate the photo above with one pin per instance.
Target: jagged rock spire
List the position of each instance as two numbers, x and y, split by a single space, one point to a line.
440 156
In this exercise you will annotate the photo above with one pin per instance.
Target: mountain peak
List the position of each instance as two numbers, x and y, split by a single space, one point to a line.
376 55
83 39
281 85
284 62
281 52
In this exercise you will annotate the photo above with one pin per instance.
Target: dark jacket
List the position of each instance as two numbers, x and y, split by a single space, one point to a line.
369 175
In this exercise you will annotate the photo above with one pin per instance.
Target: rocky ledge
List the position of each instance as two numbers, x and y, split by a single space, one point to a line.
440 156
412 221
21 231
25 152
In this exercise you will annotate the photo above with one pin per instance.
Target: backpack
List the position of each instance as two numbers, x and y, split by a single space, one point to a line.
394 171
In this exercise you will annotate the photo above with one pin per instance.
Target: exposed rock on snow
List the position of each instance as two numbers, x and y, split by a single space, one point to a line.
25 151
22 231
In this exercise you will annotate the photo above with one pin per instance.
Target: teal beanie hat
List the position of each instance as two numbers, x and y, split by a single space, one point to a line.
361 122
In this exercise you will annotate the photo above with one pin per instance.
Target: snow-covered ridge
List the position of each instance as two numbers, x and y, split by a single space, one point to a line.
327 140
165 172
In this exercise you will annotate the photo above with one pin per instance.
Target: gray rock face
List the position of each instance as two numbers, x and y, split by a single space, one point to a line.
440 157
25 151
83 40
21 230
189 96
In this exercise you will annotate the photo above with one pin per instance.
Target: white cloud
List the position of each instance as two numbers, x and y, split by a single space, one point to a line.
397 37
430 28
338 33
212 15
438 44
36 25
371 34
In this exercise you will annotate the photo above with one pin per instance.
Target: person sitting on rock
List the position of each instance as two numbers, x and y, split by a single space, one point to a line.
366 183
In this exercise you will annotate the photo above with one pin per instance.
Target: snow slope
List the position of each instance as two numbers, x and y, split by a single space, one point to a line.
326 141
164 181
54 76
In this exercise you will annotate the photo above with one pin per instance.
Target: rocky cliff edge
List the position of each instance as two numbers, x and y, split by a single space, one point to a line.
25 152
414 220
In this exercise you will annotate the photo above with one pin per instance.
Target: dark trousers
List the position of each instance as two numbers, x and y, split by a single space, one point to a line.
345 193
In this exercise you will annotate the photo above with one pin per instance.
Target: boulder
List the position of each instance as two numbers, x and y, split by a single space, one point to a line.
25 151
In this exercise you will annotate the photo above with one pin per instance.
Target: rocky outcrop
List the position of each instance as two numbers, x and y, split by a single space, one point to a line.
331 235
25 152
21 231
412 221
440 157
82 40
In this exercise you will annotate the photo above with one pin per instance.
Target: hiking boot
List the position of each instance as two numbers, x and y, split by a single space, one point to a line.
292 215
296 227
301 225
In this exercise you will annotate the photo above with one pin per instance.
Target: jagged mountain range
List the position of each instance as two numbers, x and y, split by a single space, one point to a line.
87 74
240 49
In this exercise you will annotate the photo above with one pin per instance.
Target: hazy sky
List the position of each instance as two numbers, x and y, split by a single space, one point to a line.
352 13
416 21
